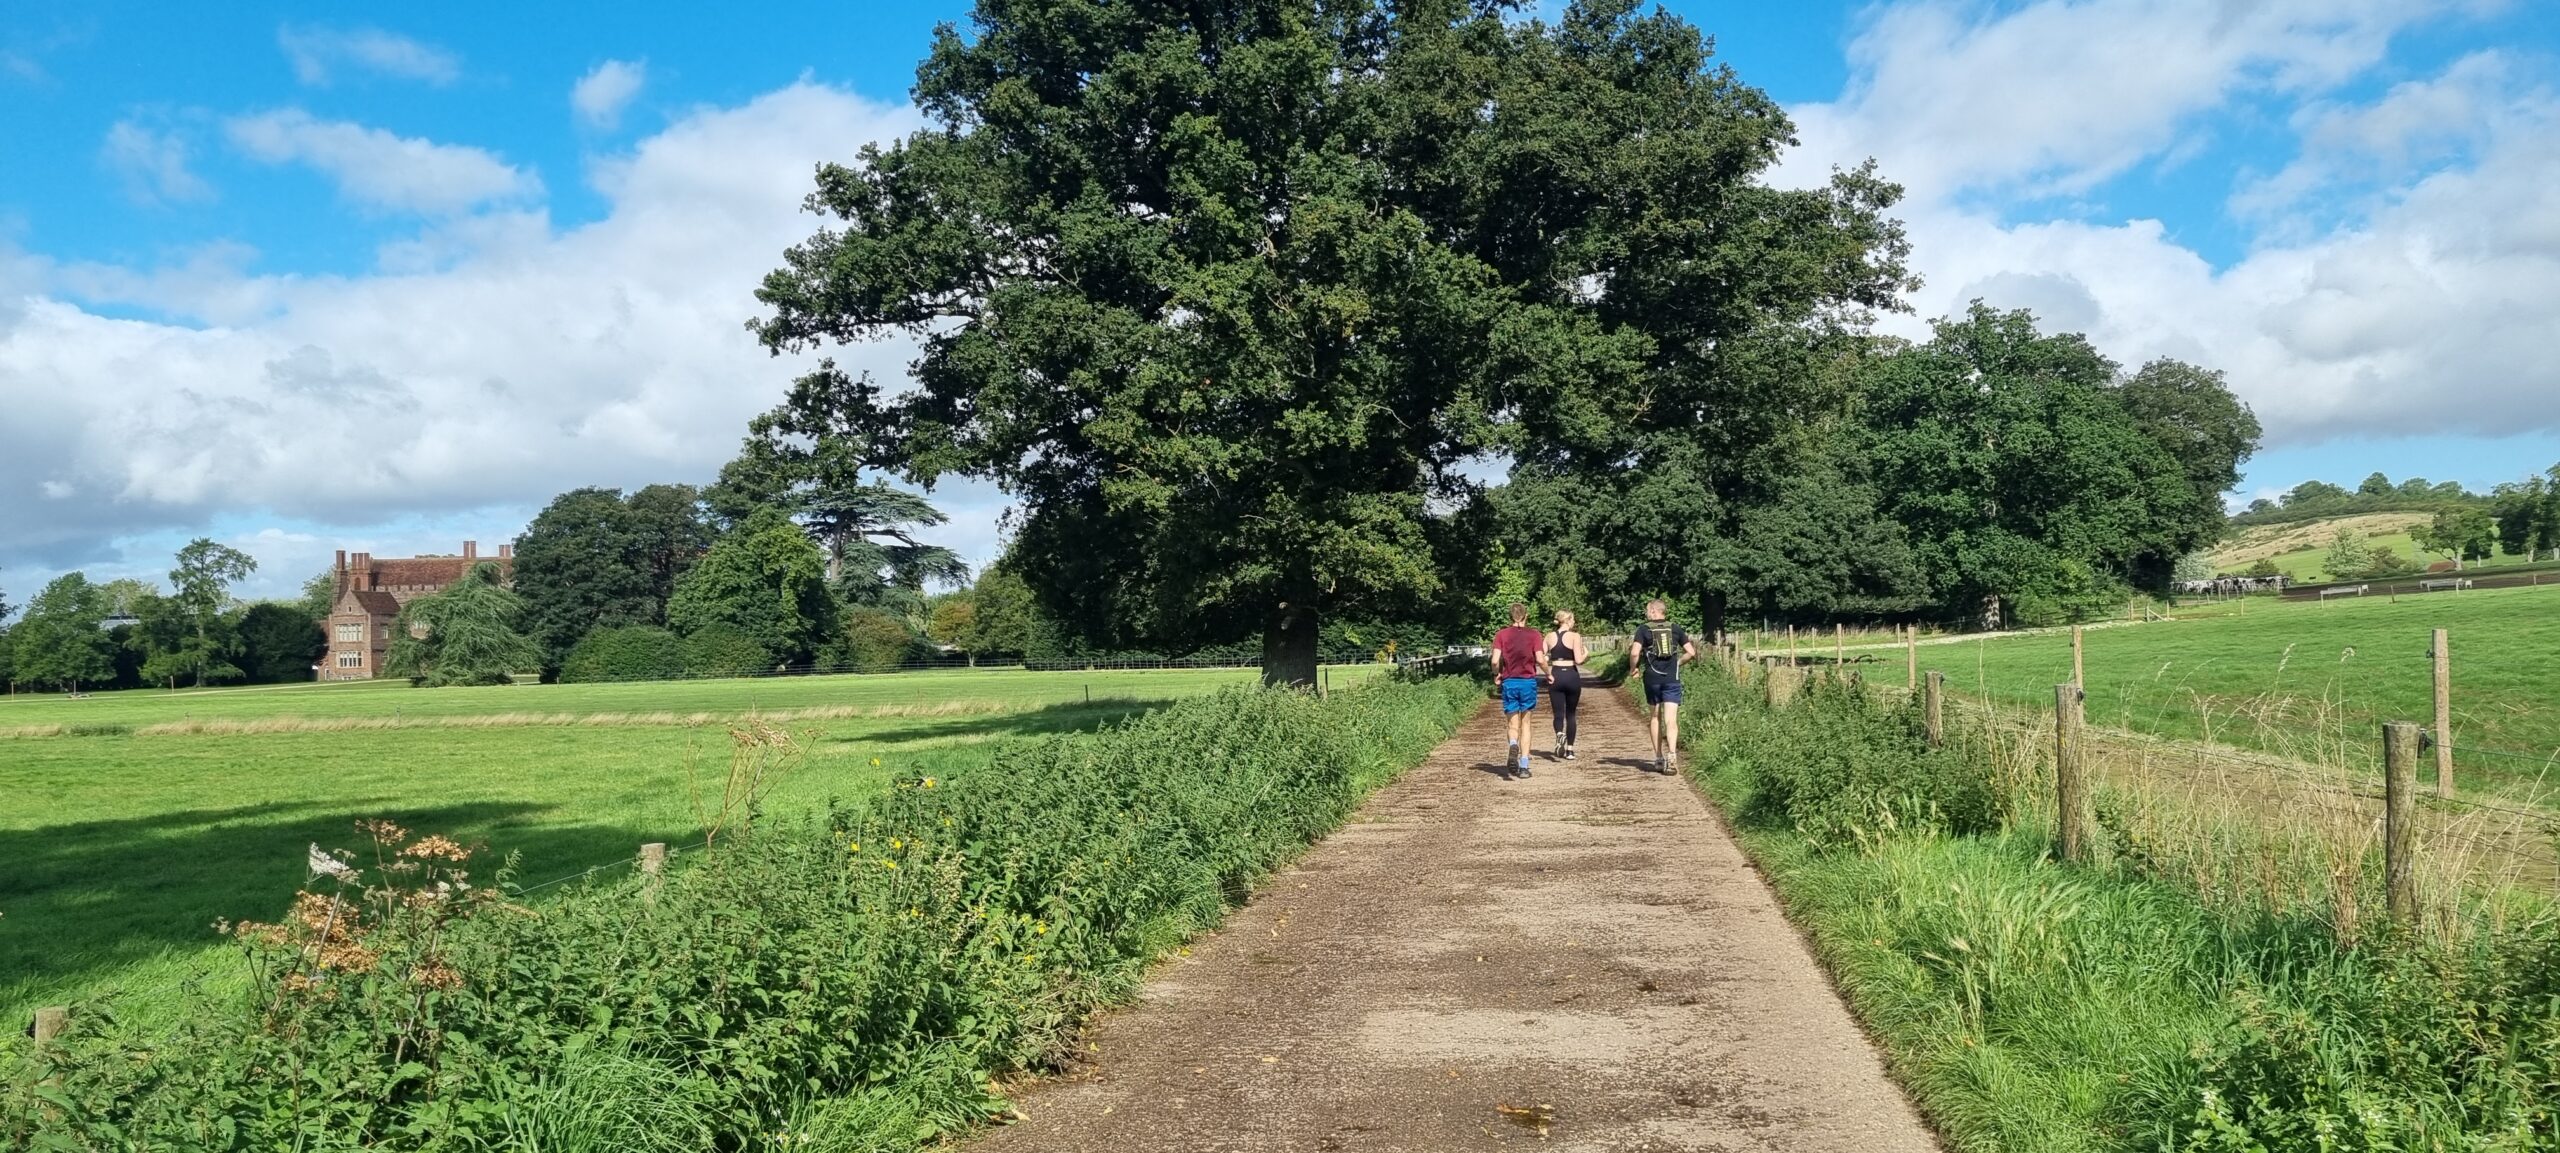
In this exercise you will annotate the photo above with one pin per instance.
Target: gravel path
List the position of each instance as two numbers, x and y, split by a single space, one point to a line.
1586 946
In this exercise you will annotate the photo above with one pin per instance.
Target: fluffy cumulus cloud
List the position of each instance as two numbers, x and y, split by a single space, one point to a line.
379 170
503 359
2428 274
600 96
153 163
318 55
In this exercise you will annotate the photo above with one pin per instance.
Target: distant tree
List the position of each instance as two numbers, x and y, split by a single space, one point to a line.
2415 486
2459 535
2262 504
2383 562
60 642
200 598
2375 485
319 595
2312 492
2017 473
1003 615
279 642
126 596
868 529
949 618
2264 569
2192 412
2528 516
2348 554
2451 490
594 558
2194 566
465 634
765 579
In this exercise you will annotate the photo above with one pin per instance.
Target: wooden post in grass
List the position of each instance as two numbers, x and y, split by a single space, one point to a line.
50 1023
1783 683
2070 789
1911 657
1791 644
1839 654
2399 819
2078 676
1933 709
653 869
2444 714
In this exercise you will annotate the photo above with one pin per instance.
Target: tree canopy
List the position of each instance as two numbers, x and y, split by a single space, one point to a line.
594 558
1227 295
465 634
60 642
764 579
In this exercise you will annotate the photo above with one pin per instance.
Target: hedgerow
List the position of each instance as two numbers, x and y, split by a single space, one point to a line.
843 981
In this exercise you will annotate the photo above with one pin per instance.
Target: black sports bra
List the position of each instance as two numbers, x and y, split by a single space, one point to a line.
1560 651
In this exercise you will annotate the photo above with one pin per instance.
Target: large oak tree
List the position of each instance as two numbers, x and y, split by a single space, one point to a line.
1227 292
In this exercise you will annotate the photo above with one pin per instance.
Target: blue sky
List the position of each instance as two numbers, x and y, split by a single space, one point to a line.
306 276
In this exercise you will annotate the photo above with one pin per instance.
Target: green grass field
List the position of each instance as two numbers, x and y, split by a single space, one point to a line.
2305 679
122 848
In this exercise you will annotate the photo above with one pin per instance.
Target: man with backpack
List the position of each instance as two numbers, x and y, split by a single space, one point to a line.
1657 650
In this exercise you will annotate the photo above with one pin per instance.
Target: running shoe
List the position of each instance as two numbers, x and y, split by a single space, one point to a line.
1524 765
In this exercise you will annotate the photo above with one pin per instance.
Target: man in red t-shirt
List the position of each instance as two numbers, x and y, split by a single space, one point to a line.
1518 659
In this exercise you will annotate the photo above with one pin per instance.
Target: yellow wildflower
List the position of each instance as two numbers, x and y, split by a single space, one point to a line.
886 863
928 782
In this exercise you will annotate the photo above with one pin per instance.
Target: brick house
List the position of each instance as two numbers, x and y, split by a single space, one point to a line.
370 592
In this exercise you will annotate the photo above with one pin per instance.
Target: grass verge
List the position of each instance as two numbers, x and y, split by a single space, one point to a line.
2033 1005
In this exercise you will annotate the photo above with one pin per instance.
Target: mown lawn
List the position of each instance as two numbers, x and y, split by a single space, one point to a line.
122 849
2305 679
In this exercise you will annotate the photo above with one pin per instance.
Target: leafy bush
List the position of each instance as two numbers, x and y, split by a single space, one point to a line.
858 975
718 650
878 641
628 653
1836 766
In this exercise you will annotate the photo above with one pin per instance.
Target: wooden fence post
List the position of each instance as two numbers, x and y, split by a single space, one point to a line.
2399 819
2444 714
2078 677
1933 709
653 867
1791 644
1911 657
1839 654
2070 790
1783 683
50 1023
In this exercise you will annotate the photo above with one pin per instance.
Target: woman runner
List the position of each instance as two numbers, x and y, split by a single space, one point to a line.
1564 694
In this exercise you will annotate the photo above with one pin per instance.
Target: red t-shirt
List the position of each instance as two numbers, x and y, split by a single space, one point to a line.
1515 652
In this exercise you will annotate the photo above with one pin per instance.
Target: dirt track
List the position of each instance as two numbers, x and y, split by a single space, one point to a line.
1588 940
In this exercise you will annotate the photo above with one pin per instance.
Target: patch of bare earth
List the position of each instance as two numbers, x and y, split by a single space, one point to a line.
1578 961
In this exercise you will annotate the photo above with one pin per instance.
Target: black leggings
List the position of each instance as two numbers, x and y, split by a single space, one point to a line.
1565 700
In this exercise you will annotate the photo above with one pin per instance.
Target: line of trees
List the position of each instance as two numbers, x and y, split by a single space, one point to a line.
78 634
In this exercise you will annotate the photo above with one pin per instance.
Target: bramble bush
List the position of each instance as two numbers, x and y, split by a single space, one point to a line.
841 981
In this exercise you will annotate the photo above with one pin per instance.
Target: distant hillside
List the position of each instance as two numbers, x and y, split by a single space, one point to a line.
2319 500
2299 548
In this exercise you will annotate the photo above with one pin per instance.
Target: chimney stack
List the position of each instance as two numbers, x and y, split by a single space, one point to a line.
471 550
342 560
363 562
507 551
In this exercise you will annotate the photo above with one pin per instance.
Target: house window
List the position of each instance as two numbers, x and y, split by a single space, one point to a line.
382 632
349 634
350 660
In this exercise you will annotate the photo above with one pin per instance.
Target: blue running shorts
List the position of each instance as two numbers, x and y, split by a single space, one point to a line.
1519 694
1661 693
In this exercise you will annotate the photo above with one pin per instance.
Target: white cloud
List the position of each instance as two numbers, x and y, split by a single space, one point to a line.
602 94
2404 257
153 164
379 170
502 361
315 52
2056 96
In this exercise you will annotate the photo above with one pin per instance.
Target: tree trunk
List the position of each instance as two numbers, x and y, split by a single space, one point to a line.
1289 648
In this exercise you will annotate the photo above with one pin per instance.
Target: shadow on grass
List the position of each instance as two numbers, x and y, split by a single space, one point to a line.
1065 717
82 901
